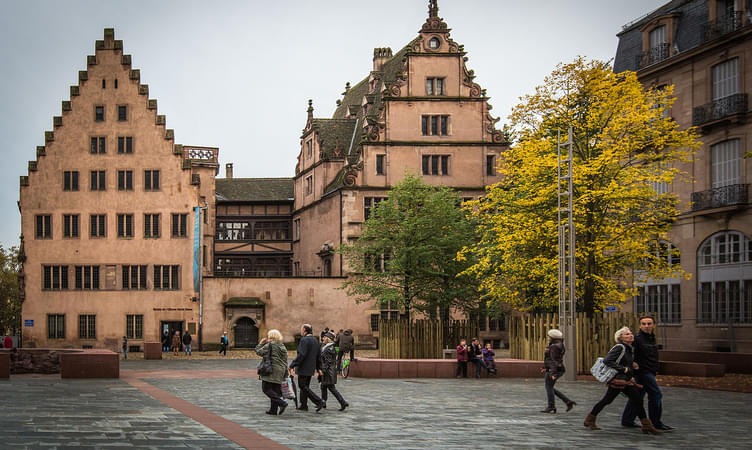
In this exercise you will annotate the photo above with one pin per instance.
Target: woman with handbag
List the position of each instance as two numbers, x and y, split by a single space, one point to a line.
554 364
272 350
620 358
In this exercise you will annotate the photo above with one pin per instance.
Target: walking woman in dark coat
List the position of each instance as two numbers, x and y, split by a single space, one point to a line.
554 364
328 371
620 358
272 384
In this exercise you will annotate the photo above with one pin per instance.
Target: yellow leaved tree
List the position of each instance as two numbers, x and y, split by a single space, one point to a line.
624 144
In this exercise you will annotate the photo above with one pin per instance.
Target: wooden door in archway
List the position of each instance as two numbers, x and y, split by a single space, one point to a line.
246 333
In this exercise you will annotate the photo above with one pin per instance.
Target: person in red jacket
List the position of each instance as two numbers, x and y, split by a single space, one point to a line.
8 342
462 356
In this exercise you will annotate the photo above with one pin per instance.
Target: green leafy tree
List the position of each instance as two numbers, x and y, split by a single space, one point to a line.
406 252
623 144
10 301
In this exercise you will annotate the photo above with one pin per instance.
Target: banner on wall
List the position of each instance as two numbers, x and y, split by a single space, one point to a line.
196 244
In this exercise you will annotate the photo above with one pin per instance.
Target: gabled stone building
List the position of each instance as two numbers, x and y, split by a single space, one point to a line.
107 215
417 111
704 49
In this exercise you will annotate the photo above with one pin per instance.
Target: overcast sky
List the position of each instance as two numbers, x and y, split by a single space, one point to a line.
238 74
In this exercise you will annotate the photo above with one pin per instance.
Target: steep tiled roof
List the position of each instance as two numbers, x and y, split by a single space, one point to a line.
254 189
335 136
691 22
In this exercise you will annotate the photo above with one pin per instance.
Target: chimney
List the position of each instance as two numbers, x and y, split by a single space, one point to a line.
380 56
228 170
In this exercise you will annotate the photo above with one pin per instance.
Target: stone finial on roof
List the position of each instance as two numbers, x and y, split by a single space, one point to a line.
347 88
310 109
433 8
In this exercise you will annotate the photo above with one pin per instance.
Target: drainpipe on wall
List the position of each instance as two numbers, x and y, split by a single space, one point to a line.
340 231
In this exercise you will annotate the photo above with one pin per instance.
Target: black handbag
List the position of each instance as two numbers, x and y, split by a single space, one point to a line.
265 366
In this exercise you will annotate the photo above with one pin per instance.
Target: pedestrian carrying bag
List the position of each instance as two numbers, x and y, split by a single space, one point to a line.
288 389
265 366
602 372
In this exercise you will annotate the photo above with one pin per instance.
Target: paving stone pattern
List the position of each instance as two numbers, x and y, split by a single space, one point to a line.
395 414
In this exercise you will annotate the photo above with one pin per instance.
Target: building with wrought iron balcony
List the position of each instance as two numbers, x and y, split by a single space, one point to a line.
703 48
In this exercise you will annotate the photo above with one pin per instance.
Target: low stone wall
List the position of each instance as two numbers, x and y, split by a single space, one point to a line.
734 362
691 369
70 363
437 368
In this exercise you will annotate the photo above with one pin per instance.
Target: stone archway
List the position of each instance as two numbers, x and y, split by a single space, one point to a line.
246 333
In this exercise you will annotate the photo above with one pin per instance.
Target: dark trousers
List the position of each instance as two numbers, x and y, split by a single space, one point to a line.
333 389
551 391
339 357
655 400
274 392
462 367
478 364
304 383
223 349
632 392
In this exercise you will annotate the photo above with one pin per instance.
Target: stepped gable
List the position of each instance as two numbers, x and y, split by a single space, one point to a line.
254 189
107 44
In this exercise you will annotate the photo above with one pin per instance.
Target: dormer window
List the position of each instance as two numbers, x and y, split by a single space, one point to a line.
658 45
434 43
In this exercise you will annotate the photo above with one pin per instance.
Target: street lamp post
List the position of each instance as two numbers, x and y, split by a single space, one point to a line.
567 279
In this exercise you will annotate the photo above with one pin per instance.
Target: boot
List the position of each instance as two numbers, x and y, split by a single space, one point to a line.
570 405
549 409
647 427
590 422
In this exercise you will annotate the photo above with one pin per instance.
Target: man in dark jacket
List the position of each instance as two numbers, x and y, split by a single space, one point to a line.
187 343
646 358
305 365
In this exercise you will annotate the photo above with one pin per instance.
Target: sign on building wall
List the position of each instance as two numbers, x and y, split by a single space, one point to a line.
29 322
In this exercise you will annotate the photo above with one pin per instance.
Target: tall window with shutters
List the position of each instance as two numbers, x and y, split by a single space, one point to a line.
725 163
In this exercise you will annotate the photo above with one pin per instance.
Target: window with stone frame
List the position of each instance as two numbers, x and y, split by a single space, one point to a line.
179 225
70 180
97 225
369 203
87 278
55 326
99 113
166 277
435 165
125 180
125 144
134 277
309 185
490 165
724 275
98 180
151 226
70 225
134 326
87 326
435 125
725 163
122 113
151 180
98 145
435 86
125 225
54 278
380 166
43 226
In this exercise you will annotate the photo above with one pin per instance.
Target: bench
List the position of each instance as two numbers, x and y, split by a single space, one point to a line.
90 364
734 362
691 369
4 364
436 368
152 350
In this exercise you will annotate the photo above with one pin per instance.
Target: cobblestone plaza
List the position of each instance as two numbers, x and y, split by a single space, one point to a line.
219 404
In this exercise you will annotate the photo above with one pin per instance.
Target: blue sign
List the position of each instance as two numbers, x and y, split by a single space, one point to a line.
610 308
28 322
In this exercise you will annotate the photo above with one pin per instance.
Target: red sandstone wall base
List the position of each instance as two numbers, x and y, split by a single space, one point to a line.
437 368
